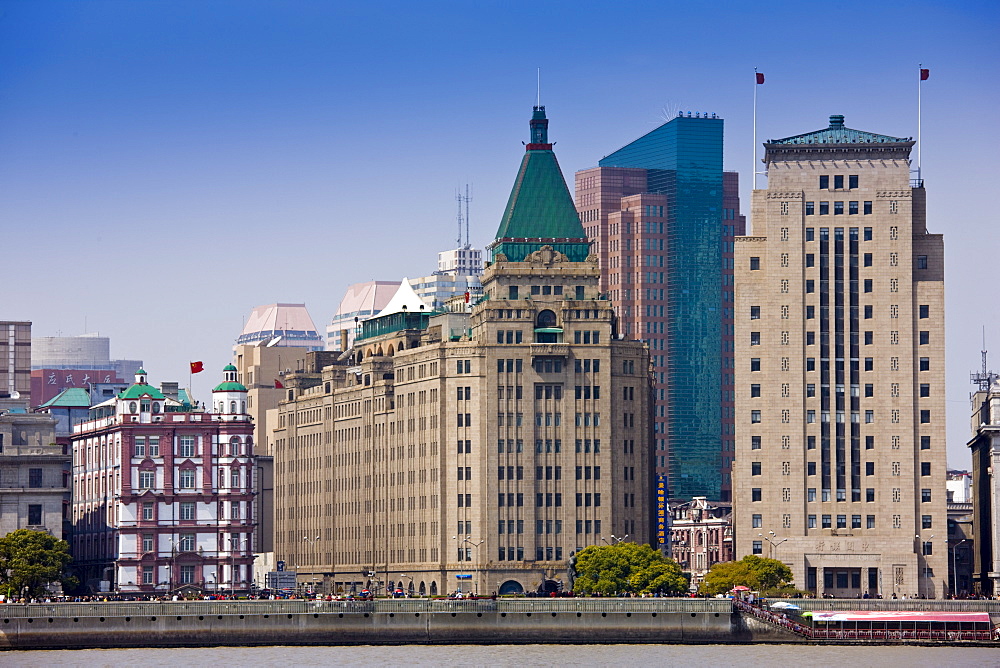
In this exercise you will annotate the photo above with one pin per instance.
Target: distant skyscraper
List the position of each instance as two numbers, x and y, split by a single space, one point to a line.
840 430
15 363
662 215
60 363
360 302
458 274
284 325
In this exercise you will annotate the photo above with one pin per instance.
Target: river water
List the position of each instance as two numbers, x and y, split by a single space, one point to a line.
619 656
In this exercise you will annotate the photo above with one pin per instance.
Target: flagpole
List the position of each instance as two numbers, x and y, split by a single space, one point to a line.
753 163
920 144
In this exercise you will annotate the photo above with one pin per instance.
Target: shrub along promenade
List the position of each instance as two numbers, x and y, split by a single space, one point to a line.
404 621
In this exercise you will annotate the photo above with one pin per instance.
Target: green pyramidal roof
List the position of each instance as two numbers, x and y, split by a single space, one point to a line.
73 397
540 210
838 133
140 390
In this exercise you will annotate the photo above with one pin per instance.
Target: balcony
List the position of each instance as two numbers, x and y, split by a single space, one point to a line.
549 350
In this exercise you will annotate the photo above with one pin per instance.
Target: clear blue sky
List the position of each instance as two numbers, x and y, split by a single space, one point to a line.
167 166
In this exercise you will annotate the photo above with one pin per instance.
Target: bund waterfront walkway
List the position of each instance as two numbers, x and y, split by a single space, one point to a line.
480 621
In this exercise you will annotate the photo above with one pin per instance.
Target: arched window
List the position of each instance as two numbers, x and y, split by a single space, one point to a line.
133 407
232 406
545 318
434 588
243 407
234 446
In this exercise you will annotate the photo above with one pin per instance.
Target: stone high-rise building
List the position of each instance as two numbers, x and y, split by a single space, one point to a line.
840 429
475 450
662 215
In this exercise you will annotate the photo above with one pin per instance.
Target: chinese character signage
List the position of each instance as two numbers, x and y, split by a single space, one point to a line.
661 509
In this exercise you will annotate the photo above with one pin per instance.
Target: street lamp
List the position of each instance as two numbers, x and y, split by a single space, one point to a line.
312 555
473 543
954 567
773 539
921 551
409 590
615 538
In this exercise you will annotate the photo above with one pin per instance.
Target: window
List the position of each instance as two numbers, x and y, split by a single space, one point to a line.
838 181
812 522
147 575
852 181
925 311
810 285
925 390
754 468
755 313
139 446
824 208
154 446
147 479
755 390
754 338
824 182
811 494
186 446
754 263
838 208
755 364
925 468
757 520
868 285
755 494
186 543
852 208
758 547
811 390
810 364
809 211
841 521
869 390
810 468
810 260
147 508
869 417
827 521
869 468
925 416
925 495
186 480
925 442
755 442
187 511
928 547
810 233
754 417
870 495
34 478
869 364
35 514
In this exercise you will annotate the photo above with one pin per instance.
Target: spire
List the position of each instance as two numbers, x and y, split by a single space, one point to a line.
540 210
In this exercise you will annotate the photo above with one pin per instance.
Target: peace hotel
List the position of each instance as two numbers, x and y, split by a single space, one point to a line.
477 447
840 374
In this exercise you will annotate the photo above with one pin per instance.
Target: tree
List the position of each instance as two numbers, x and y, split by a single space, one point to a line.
757 573
626 568
31 560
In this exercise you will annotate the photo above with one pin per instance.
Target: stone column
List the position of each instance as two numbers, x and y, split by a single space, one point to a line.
820 582
864 581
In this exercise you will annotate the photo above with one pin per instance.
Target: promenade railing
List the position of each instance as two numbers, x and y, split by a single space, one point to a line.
403 605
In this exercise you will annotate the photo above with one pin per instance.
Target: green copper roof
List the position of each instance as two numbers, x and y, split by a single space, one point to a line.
540 209
73 397
229 386
837 133
142 371
229 367
136 391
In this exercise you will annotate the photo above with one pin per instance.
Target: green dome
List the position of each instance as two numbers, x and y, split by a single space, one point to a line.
142 371
229 367
229 386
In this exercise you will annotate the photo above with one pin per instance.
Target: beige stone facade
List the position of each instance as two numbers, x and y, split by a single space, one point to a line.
468 451
840 370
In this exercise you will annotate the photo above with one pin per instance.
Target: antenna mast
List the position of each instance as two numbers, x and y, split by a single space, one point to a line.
985 377
466 198
458 198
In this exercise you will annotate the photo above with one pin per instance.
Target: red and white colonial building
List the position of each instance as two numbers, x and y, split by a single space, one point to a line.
162 492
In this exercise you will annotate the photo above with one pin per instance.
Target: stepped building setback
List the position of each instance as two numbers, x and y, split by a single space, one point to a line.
840 429
474 450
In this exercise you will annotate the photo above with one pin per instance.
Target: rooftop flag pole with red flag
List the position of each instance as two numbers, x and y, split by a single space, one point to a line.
924 75
197 367
758 80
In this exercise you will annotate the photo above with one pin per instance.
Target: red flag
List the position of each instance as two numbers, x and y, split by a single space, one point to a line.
197 367
760 77
467 295
925 75
278 385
